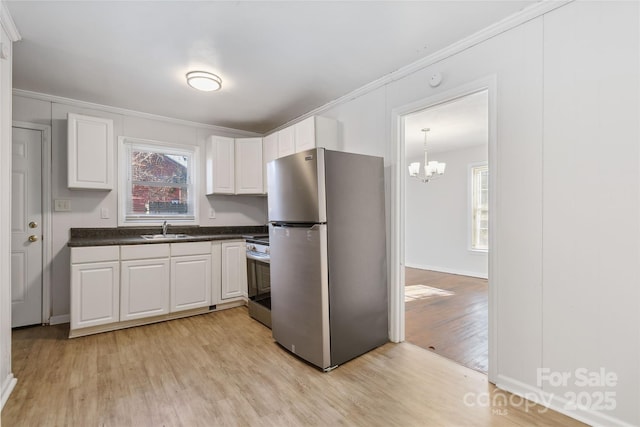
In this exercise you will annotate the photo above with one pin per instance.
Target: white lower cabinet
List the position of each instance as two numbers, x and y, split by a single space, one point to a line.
190 275
129 283
144 281
234 270
95 286
216 272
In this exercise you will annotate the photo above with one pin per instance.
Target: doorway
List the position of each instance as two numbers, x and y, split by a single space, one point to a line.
446 230
401 258
30 224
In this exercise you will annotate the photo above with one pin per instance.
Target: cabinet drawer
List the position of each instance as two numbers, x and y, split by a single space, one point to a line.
190 248
95 254
145 251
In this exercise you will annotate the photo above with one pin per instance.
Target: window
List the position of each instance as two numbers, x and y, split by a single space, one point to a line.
479 207
156 182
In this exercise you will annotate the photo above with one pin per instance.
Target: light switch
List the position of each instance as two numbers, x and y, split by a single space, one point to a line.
212 213
104 213
62 205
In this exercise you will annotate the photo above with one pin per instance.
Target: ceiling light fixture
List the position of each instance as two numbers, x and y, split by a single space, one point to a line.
432 169
204 81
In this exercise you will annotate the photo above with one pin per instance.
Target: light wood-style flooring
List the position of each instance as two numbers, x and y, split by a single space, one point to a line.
454 326
225 369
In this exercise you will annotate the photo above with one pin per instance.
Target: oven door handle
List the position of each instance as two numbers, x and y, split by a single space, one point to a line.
256 257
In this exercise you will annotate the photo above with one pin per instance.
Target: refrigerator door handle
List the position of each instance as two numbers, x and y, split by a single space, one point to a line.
313 226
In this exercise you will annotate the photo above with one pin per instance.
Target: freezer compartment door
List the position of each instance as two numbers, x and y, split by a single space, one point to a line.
296 188
299 291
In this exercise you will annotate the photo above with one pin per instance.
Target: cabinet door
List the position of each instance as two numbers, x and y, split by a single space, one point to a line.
220 169
216 272
249 166
95 294
269 153
286 142
190 282
234 270
90 152
316 131
144 288
305 132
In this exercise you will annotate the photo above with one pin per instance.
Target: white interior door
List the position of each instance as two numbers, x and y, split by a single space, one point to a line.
26 228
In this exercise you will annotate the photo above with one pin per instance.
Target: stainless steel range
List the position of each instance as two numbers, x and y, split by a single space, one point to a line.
258 278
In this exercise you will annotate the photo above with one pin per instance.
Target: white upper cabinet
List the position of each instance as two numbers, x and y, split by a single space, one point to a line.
249 166
269 152
286 141
90 152
312 132
220 166
234 166
239 166
315 132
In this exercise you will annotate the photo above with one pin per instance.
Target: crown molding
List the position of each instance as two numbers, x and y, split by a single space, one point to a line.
7 23
529 13
133 113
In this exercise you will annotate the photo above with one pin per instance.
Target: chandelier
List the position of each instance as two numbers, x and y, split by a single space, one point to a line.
432 169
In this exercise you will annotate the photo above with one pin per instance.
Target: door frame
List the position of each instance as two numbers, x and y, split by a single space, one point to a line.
398 198
47 247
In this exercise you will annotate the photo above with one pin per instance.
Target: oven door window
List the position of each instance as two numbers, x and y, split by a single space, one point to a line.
263 278
258 279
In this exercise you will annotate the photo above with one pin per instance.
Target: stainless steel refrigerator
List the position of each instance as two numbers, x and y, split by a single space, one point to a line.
328 255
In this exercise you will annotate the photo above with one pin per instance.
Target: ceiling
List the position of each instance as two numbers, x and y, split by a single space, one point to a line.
454 125
277 60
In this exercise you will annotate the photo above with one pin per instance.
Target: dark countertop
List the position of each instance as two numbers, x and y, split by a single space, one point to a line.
132 235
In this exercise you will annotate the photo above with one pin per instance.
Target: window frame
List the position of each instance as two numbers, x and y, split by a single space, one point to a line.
125 147
472 206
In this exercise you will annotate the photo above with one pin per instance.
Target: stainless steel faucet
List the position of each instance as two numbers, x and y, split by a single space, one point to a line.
165 227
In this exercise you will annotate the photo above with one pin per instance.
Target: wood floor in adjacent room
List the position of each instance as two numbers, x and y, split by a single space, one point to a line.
450 318
225 369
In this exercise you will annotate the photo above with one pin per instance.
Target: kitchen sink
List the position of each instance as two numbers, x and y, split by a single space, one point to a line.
164 236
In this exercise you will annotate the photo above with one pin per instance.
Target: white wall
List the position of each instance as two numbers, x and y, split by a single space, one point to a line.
567 236
591 245
8 34
86 205
437 229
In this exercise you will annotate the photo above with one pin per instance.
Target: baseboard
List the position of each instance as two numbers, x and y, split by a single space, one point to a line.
7 387
57 320
557 403
448 270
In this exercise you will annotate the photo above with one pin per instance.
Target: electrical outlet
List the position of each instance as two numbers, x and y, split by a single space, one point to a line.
61 205
212 213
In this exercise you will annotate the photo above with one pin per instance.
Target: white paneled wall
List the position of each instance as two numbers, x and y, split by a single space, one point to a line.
568 185
591 273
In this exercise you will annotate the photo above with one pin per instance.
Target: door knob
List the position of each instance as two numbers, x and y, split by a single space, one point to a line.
33 224
33 238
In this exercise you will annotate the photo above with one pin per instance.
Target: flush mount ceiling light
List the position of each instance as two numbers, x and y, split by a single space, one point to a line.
432 169
204 81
